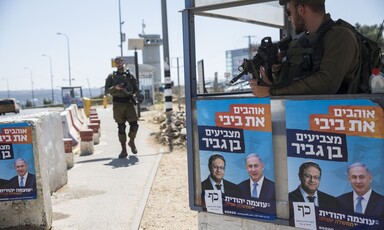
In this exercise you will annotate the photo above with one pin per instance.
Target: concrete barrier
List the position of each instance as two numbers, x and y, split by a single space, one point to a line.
75 122
96 136
86 142
68 130
79 114
69 156
50 170
97 121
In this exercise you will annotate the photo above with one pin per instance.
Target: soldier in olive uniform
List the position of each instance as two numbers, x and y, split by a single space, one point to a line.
122 86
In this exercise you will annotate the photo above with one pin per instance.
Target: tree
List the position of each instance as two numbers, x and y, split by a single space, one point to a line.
375 33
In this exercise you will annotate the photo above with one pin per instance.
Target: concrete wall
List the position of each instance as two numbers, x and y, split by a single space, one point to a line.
50 169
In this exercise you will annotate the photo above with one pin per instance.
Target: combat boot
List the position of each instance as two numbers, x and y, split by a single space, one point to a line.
123 153
132 145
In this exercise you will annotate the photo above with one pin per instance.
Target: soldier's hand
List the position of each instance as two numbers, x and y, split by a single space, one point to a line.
264 77
118 87
257 90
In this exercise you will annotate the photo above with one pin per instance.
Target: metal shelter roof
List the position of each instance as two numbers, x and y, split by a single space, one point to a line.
262 12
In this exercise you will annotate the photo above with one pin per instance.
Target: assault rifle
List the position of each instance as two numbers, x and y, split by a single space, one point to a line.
266 56
130 94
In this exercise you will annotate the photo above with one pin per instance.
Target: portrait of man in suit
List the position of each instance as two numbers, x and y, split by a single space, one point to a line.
23 177
215 180
362 199
308 190
257 185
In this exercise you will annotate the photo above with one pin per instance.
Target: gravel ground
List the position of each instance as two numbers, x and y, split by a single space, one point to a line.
167 206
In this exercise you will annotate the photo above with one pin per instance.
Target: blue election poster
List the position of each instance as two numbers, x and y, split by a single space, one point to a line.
17 165
236 157
335 151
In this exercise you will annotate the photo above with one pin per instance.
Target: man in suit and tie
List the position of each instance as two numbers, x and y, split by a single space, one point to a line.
257 185
23 179
307 191
215 180
362 199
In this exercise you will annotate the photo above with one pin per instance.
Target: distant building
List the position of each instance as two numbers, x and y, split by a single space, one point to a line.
151 55
234 58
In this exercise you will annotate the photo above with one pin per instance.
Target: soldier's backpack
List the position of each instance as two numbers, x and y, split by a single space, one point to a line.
370 55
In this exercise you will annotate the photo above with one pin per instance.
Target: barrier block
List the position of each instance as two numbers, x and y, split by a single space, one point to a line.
86 142
43 151
69 156
67 145
96 136
92 111
68 130
93 116
97 121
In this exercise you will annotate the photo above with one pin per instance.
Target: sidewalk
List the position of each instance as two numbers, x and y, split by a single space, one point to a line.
104 192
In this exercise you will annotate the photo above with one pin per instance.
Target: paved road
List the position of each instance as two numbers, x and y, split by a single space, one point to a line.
104 192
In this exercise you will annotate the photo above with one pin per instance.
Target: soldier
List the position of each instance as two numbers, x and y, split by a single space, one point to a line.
122 86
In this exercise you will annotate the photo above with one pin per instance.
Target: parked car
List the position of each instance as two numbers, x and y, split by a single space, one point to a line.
238 86
9 105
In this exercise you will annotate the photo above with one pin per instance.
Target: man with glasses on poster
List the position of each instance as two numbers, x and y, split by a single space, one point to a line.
215 180
310 177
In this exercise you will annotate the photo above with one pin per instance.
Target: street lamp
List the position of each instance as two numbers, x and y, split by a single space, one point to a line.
122 36
7 85
50 67
33 94
69 57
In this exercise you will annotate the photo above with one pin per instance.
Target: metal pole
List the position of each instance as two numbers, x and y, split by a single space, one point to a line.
167 72
89 88
138 82
33 93
121 34
69 57
178 83
50 67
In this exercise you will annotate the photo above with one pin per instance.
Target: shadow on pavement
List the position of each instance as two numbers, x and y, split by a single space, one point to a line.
93 160
123 162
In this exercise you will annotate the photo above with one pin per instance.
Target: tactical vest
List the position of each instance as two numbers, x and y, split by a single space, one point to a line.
125 80
303 56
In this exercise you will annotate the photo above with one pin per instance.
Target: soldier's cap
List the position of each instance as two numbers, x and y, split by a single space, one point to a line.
118 59
283 2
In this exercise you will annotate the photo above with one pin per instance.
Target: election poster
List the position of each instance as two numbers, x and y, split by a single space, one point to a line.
335 151
236 157
17 165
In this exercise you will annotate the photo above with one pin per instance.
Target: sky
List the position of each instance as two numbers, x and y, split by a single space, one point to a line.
28 29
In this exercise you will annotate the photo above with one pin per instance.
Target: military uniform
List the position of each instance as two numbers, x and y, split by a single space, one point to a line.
338 69
124 106
321 63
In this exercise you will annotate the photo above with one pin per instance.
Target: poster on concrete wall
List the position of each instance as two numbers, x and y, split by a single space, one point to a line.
236 157
17 164
335 151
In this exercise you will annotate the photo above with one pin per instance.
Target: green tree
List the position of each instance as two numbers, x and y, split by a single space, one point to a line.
374 32
28 103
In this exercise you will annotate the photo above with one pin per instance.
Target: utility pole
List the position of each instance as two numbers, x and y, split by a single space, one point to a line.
178 81
250 46
50 68
167 70
122 36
